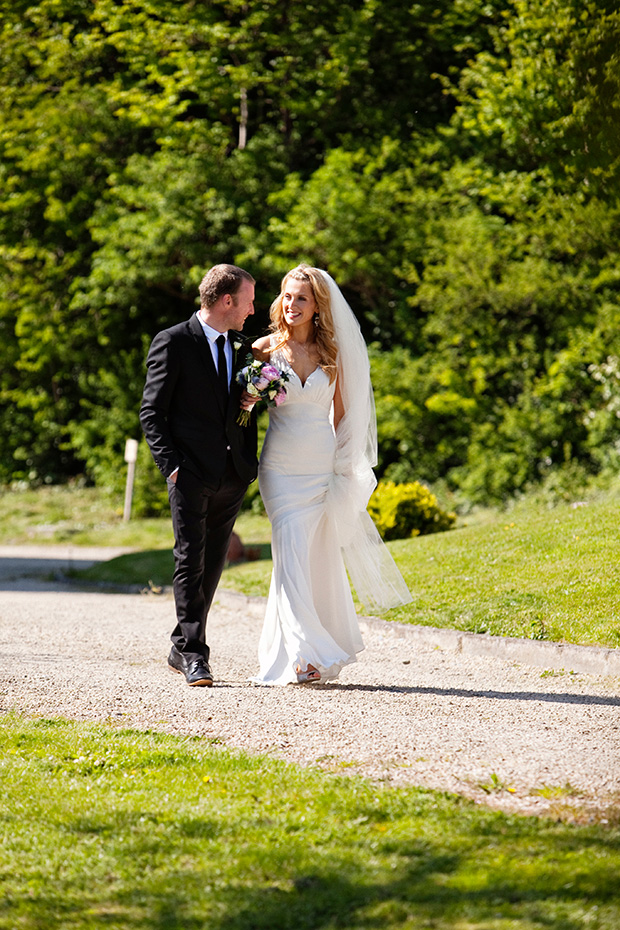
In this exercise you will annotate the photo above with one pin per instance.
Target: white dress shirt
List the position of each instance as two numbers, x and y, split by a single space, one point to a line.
212 335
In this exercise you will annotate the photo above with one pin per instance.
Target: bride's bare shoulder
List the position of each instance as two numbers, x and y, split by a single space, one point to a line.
261 349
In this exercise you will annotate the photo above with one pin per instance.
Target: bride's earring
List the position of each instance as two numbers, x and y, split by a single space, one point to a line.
316 319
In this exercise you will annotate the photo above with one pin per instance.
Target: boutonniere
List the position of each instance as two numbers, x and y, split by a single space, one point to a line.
237 345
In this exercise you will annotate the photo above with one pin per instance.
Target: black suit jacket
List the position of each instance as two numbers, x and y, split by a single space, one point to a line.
184 419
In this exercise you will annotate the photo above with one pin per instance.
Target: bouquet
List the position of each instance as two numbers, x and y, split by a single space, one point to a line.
263 381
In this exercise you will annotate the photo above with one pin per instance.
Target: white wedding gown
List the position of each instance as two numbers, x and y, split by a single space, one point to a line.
310 617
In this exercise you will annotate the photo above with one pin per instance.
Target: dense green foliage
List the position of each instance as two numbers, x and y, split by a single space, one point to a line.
454 165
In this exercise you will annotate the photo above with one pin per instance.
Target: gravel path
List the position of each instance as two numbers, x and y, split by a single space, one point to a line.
409 712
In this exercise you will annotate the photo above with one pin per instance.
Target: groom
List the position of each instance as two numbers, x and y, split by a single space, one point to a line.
189 411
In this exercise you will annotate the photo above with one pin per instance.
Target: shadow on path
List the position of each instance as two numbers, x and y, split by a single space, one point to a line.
490 695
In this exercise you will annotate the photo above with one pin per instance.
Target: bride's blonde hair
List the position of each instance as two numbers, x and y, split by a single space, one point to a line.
324 335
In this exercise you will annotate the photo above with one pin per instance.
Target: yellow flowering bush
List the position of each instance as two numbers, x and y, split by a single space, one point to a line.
404 510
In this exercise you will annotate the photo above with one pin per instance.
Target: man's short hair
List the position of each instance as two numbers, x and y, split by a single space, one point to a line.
220 280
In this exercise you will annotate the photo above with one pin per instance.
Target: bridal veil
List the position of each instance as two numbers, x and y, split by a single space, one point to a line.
373 572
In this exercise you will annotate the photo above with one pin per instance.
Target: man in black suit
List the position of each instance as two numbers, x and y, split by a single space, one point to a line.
189 410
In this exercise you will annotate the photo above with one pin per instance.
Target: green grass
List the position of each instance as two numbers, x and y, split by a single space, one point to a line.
87 517
538 573
80 516
124 829
543 574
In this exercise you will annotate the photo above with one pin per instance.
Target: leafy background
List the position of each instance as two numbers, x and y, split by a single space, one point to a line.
455 166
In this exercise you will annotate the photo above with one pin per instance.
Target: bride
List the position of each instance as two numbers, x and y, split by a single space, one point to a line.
315 477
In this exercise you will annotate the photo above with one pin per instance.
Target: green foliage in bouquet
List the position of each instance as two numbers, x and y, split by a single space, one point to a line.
403 510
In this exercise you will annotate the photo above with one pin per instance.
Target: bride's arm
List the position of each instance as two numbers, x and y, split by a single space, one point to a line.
261 349
338 405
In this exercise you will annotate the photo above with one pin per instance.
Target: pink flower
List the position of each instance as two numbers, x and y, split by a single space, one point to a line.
268 371
280 396
262 382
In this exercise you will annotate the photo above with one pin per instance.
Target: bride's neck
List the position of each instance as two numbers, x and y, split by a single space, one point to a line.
304 338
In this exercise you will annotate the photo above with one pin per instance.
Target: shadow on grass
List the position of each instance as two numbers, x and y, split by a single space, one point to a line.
420 896
259 552
429 887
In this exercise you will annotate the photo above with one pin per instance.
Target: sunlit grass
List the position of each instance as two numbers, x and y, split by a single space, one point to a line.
541 574
108 828
81 516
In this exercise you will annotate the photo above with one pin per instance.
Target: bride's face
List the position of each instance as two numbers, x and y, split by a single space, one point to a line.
298 303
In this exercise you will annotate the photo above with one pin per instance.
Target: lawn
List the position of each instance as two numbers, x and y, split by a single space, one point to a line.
102 827
543 574
536 572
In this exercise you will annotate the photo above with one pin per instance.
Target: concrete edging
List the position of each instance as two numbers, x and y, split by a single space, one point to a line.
591 660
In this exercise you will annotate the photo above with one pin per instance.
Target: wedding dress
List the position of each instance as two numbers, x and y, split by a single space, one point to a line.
315 483
310 617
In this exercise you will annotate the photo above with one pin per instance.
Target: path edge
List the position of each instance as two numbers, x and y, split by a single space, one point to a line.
567 657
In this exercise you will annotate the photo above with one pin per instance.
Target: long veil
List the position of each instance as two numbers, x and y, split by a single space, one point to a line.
373 572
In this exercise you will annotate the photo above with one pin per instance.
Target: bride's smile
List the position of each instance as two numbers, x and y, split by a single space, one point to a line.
298 304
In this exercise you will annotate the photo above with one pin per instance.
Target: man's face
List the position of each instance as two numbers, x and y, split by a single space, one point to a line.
242 306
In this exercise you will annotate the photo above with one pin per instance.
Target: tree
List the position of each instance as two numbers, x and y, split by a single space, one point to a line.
471 219
548 94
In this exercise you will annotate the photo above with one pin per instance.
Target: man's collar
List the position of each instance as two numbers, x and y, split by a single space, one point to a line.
209 332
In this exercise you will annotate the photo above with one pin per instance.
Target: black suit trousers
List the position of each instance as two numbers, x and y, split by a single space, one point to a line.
203 520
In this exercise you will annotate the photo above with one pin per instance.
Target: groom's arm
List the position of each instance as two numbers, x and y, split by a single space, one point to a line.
163 368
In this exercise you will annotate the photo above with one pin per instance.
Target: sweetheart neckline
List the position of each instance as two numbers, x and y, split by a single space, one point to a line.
303 383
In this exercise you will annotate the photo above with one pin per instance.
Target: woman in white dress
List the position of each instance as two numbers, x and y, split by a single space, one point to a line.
315 478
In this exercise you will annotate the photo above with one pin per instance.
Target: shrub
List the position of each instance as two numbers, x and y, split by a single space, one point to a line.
404 510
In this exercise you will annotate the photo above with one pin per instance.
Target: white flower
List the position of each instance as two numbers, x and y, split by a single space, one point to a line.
237 346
